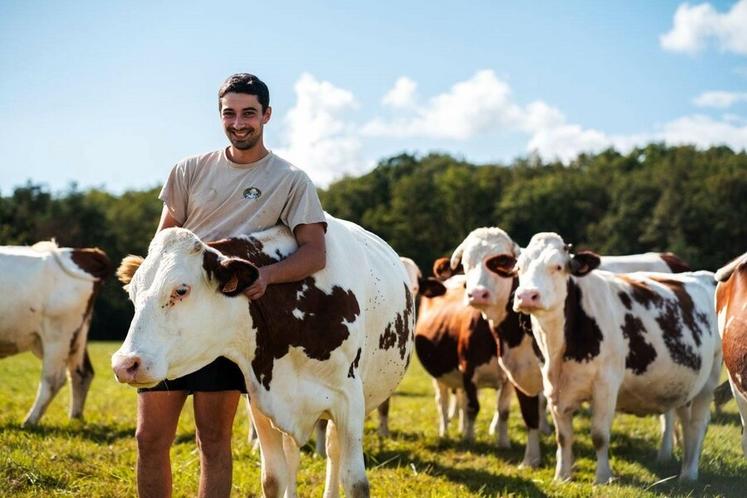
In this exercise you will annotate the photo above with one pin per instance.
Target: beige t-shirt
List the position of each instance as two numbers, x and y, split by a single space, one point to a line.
217 198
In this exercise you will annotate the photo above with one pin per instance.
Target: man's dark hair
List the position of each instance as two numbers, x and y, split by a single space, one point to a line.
246 83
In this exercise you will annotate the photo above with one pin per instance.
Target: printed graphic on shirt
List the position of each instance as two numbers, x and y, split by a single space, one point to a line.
252 193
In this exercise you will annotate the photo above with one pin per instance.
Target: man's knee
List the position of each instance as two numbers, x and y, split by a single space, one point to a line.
153 440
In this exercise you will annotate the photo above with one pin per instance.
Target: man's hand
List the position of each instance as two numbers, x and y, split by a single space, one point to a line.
258 288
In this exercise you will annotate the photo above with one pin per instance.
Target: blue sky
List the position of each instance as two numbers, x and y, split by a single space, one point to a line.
112 94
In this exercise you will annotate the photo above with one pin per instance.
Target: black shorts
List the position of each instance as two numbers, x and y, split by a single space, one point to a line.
220 375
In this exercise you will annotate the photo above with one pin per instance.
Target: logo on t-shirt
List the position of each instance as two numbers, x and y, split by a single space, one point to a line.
252 193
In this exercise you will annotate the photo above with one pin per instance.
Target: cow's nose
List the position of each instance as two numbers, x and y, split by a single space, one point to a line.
527 298
126 368
478 295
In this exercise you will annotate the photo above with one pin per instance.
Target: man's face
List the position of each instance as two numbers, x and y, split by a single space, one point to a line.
243 119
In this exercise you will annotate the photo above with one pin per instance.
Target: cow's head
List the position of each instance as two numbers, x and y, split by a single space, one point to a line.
544 268
183 319
488 256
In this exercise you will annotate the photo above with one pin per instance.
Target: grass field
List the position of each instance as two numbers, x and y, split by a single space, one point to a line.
97 457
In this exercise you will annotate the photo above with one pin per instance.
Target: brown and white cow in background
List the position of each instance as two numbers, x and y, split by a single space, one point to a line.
731 307
456 347
334 345
46 308
640 343
488 255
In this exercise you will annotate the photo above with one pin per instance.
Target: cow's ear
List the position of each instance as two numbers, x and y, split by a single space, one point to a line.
583 262
442 269
430 287
128 267
456 259
503 265
233 275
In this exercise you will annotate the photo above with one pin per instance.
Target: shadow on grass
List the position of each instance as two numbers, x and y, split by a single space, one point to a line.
98 433
482 481
20 478
725 418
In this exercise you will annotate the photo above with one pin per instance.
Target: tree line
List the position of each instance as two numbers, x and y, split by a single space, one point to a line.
655 198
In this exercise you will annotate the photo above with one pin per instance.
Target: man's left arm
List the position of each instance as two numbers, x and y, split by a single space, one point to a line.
310 257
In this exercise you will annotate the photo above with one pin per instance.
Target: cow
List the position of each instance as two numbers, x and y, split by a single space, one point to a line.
48 294
332 346
486 255
731 308
640 343
456 347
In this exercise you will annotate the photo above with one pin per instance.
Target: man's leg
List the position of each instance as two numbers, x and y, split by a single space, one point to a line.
157 417
214 413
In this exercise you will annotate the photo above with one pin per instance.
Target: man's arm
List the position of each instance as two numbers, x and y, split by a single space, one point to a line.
167 221
310 257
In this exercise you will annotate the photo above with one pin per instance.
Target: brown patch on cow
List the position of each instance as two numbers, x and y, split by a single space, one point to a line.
674 314
86 317
323 328
85 369
511 331
625 299
442 269
583 336
731 298
93 261
674 263
398 332
502 265
640 352
354 365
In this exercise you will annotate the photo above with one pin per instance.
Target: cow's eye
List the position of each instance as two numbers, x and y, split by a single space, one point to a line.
558 267
182 290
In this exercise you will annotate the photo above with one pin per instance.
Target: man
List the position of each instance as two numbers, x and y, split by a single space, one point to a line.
241 189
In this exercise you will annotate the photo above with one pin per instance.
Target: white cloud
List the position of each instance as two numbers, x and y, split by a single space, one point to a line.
719 99
402 95
704 131
695 25
469 107
319 140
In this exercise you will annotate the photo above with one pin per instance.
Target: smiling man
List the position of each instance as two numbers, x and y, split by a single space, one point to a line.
241 189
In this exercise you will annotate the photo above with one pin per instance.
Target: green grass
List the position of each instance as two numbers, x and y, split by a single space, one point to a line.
97 457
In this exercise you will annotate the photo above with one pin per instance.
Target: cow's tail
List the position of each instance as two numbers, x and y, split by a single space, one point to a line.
722 394
675 263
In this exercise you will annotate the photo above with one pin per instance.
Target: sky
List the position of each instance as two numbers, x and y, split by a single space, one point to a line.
112 94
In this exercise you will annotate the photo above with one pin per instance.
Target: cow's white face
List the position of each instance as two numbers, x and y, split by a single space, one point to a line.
488 256
183 320
544 268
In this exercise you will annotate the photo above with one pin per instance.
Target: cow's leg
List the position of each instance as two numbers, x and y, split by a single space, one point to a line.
667 437
442 402
563 420
80 371
461 404
453 403
52 379
332 480
251 438
544 425
602 412
320 438
384 418
700 415
349 422
742 407
274 467
472 407
499 425
293 459
529 406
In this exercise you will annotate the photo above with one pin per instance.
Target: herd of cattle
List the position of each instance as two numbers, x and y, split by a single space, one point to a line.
558 327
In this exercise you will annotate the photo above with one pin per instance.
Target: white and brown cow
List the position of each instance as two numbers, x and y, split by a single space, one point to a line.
456 347
48 293
487 256
640 343
333 346
731 307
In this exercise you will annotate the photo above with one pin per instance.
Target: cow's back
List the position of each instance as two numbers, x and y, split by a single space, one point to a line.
36 287
731 306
